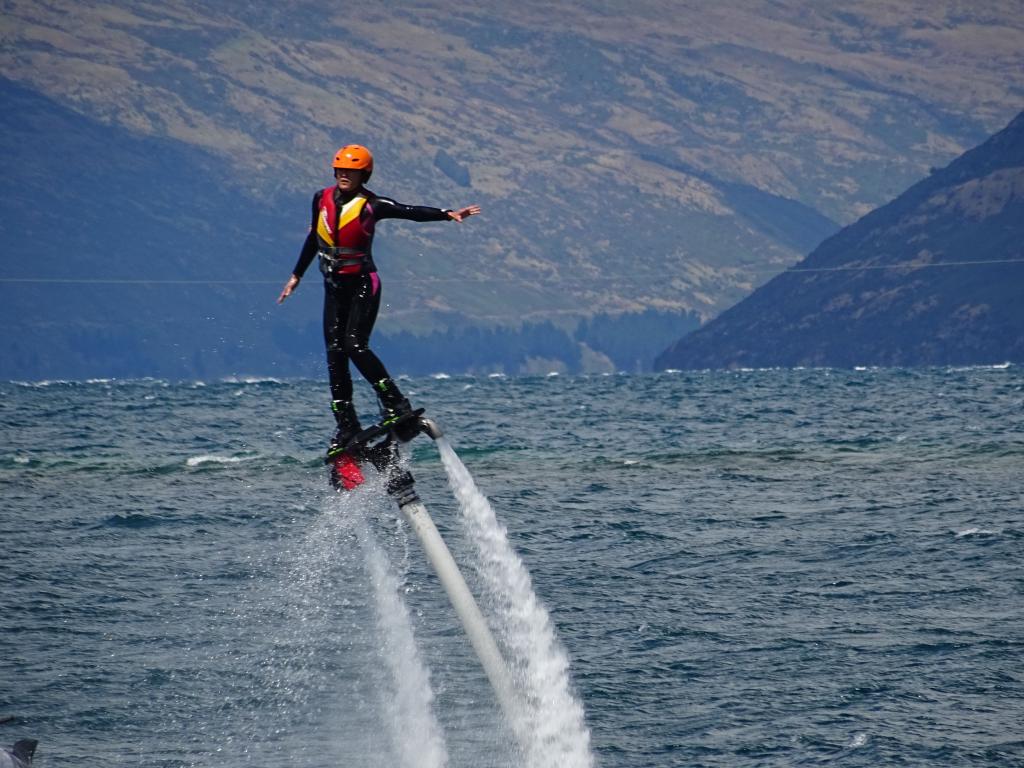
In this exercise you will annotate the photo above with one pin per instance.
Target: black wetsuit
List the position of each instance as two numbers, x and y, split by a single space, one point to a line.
351 301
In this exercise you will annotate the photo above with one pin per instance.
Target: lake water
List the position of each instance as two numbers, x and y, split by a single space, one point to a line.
751 568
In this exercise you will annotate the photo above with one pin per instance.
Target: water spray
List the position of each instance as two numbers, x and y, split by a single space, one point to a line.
379 446
546 718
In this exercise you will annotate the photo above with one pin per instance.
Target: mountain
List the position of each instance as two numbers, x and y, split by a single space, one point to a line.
664 157
936 277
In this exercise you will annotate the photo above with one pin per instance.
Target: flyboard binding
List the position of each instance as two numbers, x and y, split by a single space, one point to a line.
378 445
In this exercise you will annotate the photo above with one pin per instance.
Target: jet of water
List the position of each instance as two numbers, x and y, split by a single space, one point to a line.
549 713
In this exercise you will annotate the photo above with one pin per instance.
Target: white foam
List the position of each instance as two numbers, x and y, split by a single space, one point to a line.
440 376
975 532
250 380
994 367
551 716
197 461
858 740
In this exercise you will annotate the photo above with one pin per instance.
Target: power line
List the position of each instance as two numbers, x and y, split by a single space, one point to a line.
428 279
104 281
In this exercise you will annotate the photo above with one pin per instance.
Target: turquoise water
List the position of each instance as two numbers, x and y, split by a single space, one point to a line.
755 568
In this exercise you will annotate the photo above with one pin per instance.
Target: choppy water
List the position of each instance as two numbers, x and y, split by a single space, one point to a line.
762 568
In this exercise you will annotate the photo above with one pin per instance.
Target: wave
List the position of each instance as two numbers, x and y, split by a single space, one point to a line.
133 520
44 383
198 461
188 517
148 465
976 532
993 367
732 374
252 380
92 382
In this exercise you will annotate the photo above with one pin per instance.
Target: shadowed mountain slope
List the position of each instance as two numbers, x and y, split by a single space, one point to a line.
936 277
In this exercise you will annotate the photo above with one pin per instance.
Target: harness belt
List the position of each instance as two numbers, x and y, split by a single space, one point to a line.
332 258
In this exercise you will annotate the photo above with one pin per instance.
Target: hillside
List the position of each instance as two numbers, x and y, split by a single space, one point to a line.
667 158
936 277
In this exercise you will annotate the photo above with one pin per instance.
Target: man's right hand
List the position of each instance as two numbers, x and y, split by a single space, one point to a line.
289 288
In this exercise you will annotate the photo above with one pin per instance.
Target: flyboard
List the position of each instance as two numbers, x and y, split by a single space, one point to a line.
379 446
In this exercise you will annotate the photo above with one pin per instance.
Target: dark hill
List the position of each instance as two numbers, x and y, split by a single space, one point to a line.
936 277
130 256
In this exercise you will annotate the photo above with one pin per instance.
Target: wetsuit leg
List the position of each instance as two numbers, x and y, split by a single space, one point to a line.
350 311
363 307
337 304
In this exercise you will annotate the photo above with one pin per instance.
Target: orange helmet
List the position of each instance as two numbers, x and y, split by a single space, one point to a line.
354 156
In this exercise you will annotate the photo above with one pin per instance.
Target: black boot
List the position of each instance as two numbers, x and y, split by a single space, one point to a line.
393 405
348 425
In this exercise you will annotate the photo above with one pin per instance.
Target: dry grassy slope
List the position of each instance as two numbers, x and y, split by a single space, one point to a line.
601 140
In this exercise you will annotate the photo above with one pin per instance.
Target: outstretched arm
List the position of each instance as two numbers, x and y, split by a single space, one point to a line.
459 215
386 208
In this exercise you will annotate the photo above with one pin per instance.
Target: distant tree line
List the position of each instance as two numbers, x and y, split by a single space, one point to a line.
633 340
206 349
629 341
